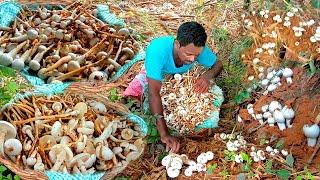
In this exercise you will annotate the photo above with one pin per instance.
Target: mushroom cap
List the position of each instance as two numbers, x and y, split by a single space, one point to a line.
287 72
41 73
123 31
209 155
278 116
128 51
34 65
82 108
5 59
139 143
47 141
173 172
9 129
311 131
18 64
12 147
166 160
127 134
73 65
79 158
97 75
56 129
57 106
57 149
133 155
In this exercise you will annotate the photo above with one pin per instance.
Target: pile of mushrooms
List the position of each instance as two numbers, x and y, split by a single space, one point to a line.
68 134
184 109
273 113
174 163
67 44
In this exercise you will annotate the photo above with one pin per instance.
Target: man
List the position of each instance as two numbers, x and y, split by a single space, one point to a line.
167 55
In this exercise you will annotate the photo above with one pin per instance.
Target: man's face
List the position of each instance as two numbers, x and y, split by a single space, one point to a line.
187 54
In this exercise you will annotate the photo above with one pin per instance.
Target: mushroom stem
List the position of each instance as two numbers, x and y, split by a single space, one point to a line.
2 135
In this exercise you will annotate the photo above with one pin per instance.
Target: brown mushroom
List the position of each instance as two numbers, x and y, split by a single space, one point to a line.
127 54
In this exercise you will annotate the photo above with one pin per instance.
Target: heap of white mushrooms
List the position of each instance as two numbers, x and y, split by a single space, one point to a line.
184 109
273 113
174 163
68 134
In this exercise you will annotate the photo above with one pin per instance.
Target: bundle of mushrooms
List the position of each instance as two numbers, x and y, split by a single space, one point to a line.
67 44
184 109
68 134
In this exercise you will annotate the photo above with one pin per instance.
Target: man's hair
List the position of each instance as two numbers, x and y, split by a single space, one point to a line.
192 32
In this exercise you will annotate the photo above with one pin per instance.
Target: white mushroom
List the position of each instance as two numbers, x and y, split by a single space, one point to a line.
27 129
127 134
7 131
173 172
12 147
57 106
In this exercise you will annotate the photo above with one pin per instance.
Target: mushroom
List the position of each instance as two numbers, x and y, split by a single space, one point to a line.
27 129
58 154
118 151
57 106
127 134
287 73
279 118
7 58
312 132
56 129
81 108
12 147
34 64
124 32
39 166
47 141
98 106
7 131
104 152
97 75
127 54
166 160
288 114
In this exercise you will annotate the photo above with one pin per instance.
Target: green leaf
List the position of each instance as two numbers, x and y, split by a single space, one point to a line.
299 177
211 168
2 168
269 167
283 174
245 156
9 176
244 95
16 177
241 176
290 160
6 71
280 144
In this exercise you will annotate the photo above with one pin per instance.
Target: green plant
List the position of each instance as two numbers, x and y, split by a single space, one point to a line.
122 178
281 173
152 135
280 144
6 174
248 161
114 95
211 168
224 173
229 155
8 88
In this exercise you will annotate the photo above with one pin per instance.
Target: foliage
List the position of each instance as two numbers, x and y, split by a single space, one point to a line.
114 95
248 161
8 88
229 155
211 168
281 173
280 144
6 174
290 160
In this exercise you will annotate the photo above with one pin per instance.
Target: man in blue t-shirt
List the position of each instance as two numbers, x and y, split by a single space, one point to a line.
169 55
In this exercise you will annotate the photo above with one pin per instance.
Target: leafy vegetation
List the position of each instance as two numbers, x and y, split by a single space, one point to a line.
6 174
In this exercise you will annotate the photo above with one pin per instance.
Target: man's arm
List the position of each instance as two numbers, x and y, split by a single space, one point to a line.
156 105
157 109
214 71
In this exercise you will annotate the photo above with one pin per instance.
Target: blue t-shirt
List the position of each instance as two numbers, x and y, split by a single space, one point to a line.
159 59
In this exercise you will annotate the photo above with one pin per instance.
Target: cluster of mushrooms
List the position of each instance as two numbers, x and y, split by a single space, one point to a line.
237 143
272 80
273 113
184 109
278 34
68 134
67 44
174 163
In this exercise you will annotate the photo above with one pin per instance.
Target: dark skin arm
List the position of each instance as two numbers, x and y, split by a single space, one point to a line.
157 109
203 82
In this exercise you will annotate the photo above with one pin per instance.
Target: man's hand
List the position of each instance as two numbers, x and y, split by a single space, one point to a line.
201 85
171 142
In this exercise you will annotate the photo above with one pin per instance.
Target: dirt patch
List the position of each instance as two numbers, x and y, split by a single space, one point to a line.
303 95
